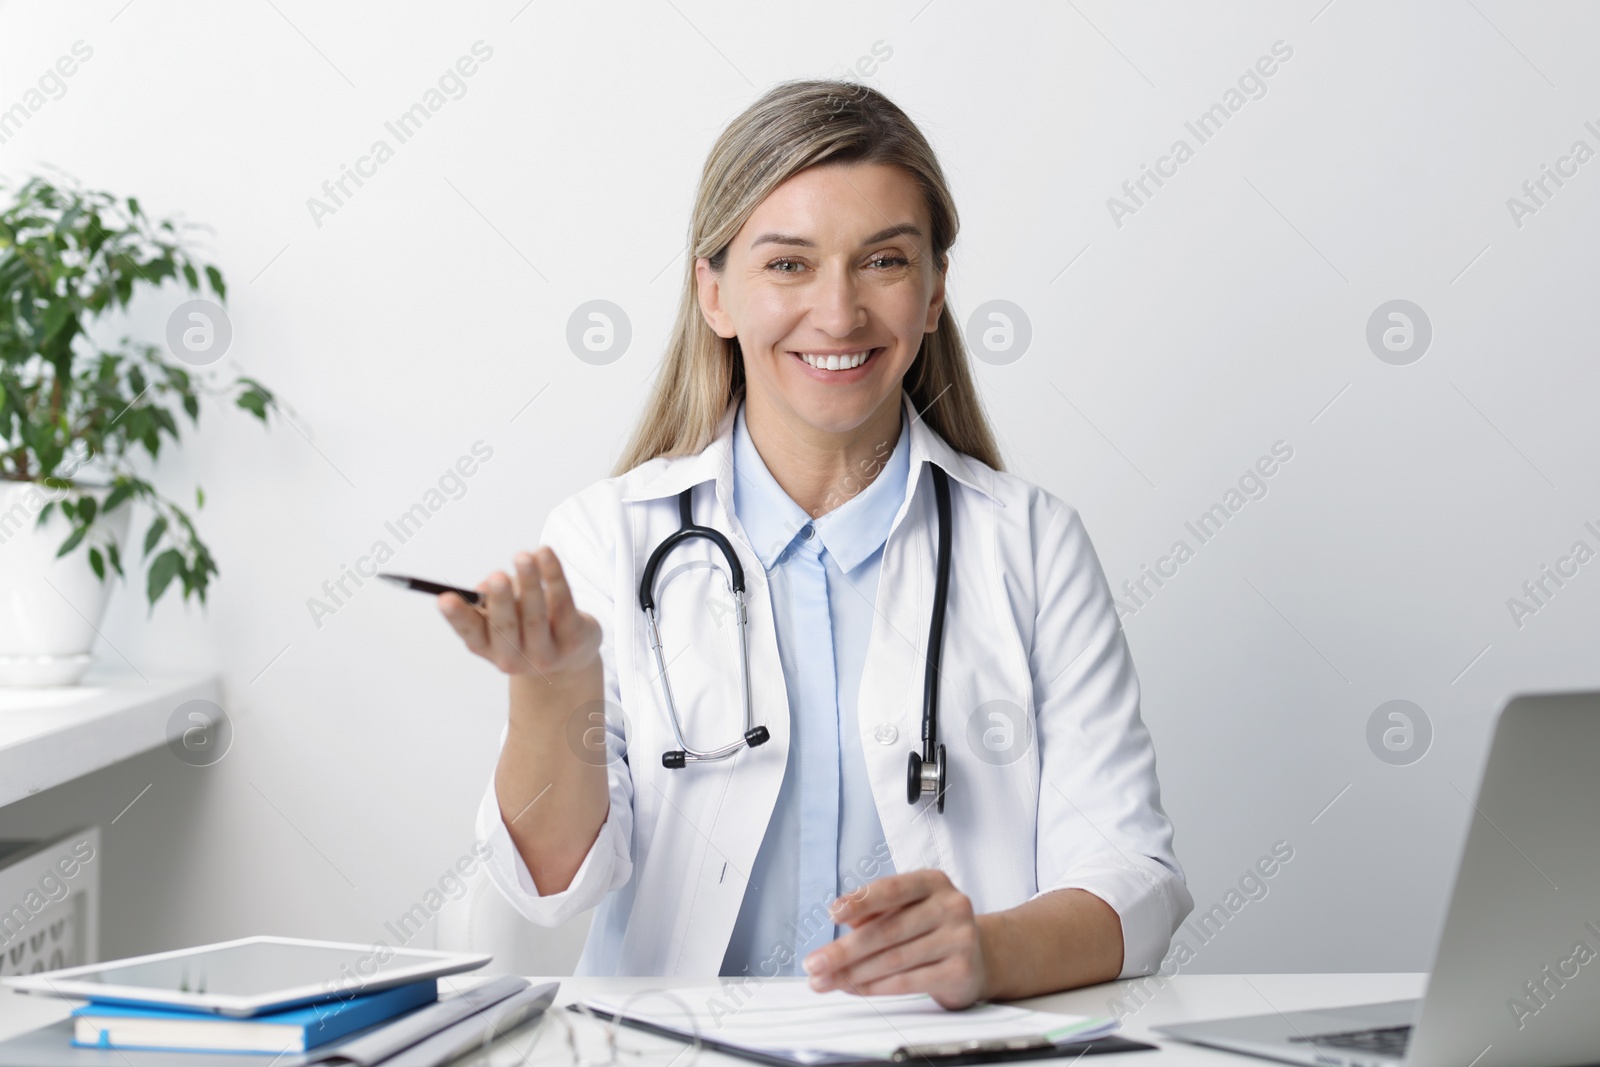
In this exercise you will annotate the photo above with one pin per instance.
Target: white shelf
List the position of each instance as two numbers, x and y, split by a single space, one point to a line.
50 736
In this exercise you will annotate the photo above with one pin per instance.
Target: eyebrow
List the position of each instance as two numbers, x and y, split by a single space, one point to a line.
904 228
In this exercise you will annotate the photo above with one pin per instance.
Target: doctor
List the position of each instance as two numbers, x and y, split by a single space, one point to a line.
814 396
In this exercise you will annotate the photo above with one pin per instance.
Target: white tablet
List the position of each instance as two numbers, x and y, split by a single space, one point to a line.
249 976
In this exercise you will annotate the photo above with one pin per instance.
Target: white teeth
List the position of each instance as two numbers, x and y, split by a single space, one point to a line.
848 361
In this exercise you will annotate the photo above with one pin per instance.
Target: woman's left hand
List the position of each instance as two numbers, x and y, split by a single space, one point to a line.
909 933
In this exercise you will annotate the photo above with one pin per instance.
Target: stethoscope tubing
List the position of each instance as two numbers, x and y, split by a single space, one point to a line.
753 735
941 590
926 773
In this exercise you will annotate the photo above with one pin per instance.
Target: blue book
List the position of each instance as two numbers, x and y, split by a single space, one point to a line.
300 1029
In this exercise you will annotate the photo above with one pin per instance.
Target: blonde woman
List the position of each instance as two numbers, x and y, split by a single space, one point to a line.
851 769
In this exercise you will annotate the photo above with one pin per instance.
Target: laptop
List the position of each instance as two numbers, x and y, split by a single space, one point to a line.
1516 975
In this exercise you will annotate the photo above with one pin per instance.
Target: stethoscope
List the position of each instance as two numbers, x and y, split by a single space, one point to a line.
925 772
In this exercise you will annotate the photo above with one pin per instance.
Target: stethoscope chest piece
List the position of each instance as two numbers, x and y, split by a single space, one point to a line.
926 776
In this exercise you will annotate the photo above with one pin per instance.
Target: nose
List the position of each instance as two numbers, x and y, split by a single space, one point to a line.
838 309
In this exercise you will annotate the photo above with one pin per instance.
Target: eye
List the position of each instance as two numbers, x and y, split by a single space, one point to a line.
891 260
779 264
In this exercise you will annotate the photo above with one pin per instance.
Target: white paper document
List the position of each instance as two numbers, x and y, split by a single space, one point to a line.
785 1018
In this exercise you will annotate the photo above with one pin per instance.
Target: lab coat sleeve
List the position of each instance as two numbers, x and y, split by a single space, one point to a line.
1101 827
587 560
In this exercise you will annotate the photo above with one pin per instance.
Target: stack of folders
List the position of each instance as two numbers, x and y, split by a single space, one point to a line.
106 1025
405 1026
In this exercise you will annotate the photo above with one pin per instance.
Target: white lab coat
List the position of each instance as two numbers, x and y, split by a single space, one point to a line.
1029 620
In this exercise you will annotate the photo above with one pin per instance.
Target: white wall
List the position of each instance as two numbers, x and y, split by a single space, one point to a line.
1228 313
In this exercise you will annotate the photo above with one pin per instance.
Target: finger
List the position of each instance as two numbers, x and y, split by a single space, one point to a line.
467 621
886 894
571 628
929 978
535 625
505 633
565 619
876 935
954 937
871 939
942 941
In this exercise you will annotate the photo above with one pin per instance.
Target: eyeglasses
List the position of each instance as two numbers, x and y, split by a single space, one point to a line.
617 1051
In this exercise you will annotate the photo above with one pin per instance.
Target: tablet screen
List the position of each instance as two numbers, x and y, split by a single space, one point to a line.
257 968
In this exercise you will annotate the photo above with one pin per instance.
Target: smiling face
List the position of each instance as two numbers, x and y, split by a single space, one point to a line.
829 287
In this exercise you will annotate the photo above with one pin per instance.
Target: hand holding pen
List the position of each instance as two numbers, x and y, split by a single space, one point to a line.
525 623
528 626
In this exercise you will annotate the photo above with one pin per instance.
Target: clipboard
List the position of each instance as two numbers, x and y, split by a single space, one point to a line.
1073 1049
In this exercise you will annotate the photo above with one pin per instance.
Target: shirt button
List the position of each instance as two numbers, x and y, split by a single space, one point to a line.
886 733
808 532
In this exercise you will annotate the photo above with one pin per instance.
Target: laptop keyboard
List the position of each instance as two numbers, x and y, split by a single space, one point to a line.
1383 1040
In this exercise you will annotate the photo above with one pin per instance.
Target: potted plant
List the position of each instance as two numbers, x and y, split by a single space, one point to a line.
75 415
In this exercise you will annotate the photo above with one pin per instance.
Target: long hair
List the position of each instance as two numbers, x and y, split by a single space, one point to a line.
796 125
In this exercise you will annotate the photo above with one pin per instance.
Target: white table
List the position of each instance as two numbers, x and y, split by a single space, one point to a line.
50 736
1183 997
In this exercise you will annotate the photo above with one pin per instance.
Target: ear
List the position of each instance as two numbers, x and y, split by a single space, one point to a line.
936 300
708 288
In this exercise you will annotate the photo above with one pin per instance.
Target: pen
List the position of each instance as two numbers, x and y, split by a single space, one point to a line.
422 585
956 1048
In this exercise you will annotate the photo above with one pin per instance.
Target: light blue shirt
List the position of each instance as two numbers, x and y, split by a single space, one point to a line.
824 838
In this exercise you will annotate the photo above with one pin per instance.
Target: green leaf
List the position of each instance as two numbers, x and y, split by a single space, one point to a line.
162 571
87 507
97 563
190 276
116 557
118 495
214 276
199 497
254 401
151 538
55 316
72 542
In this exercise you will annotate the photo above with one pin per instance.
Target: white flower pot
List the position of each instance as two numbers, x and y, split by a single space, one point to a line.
50 609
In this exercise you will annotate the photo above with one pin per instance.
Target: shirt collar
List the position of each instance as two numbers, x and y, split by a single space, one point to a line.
851 531
857 528
667 476
770 517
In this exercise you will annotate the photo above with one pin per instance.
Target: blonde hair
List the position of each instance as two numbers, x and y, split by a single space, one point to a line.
796 125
